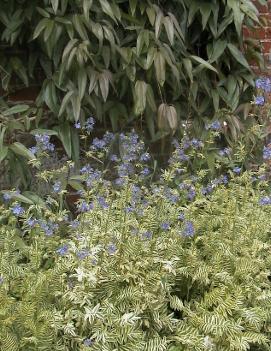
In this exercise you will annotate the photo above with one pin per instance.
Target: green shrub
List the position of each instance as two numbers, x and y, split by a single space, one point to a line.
130 61
142 268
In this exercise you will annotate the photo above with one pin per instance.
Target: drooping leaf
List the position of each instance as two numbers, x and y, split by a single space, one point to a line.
20 149
237 54
15 109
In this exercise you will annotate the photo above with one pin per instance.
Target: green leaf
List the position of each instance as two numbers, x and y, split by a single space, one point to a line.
3 152
65 136
104 85
160 67
55 5
133 4
205 10
203 62
49 29
107 9
75 144
169 29
140 97
82 82
43 131
237 54
219 47
15 109
65 101
189 68
40 27
237 15
35 199
150 98
21 150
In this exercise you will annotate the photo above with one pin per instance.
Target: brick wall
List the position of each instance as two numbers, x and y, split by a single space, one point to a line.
263 34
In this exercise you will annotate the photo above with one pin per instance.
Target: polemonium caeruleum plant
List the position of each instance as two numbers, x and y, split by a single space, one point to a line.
179 264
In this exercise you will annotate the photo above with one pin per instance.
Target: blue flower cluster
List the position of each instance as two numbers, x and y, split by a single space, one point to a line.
48 227
43 144
222 180
88 126
189 229
101 144
224 152
17 210
267 153
215 126
91 175
263 83
266 200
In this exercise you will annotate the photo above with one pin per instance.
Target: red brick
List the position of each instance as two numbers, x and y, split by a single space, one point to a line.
262 8
266 46
256 33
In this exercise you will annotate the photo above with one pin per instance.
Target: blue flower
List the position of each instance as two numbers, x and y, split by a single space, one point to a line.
224 152
196 143
260 83
113 158
43 142
82 254
145 172
63 250
264 84
147 235
191 194
1 279
266 200
165 226
111 249
17 210
33 150
88 342
145 157
75 223
120 181
259 100
6 196
216 125
31 222
237 170
267 153
90 122
262 177
181 217
129 209
102 202
84 206
98 144
77 125
57 187
189 229
207 190
48 227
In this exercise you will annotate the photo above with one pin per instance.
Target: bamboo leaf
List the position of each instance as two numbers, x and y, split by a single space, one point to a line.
203 62
140 97
15 109
21 150
237 54
160 67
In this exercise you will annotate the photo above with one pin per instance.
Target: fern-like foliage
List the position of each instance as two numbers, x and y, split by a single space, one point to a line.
142 278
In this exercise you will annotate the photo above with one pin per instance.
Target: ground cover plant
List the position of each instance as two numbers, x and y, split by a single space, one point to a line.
182 263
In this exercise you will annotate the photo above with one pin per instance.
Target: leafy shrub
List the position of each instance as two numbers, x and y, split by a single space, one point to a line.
177 265
124 60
